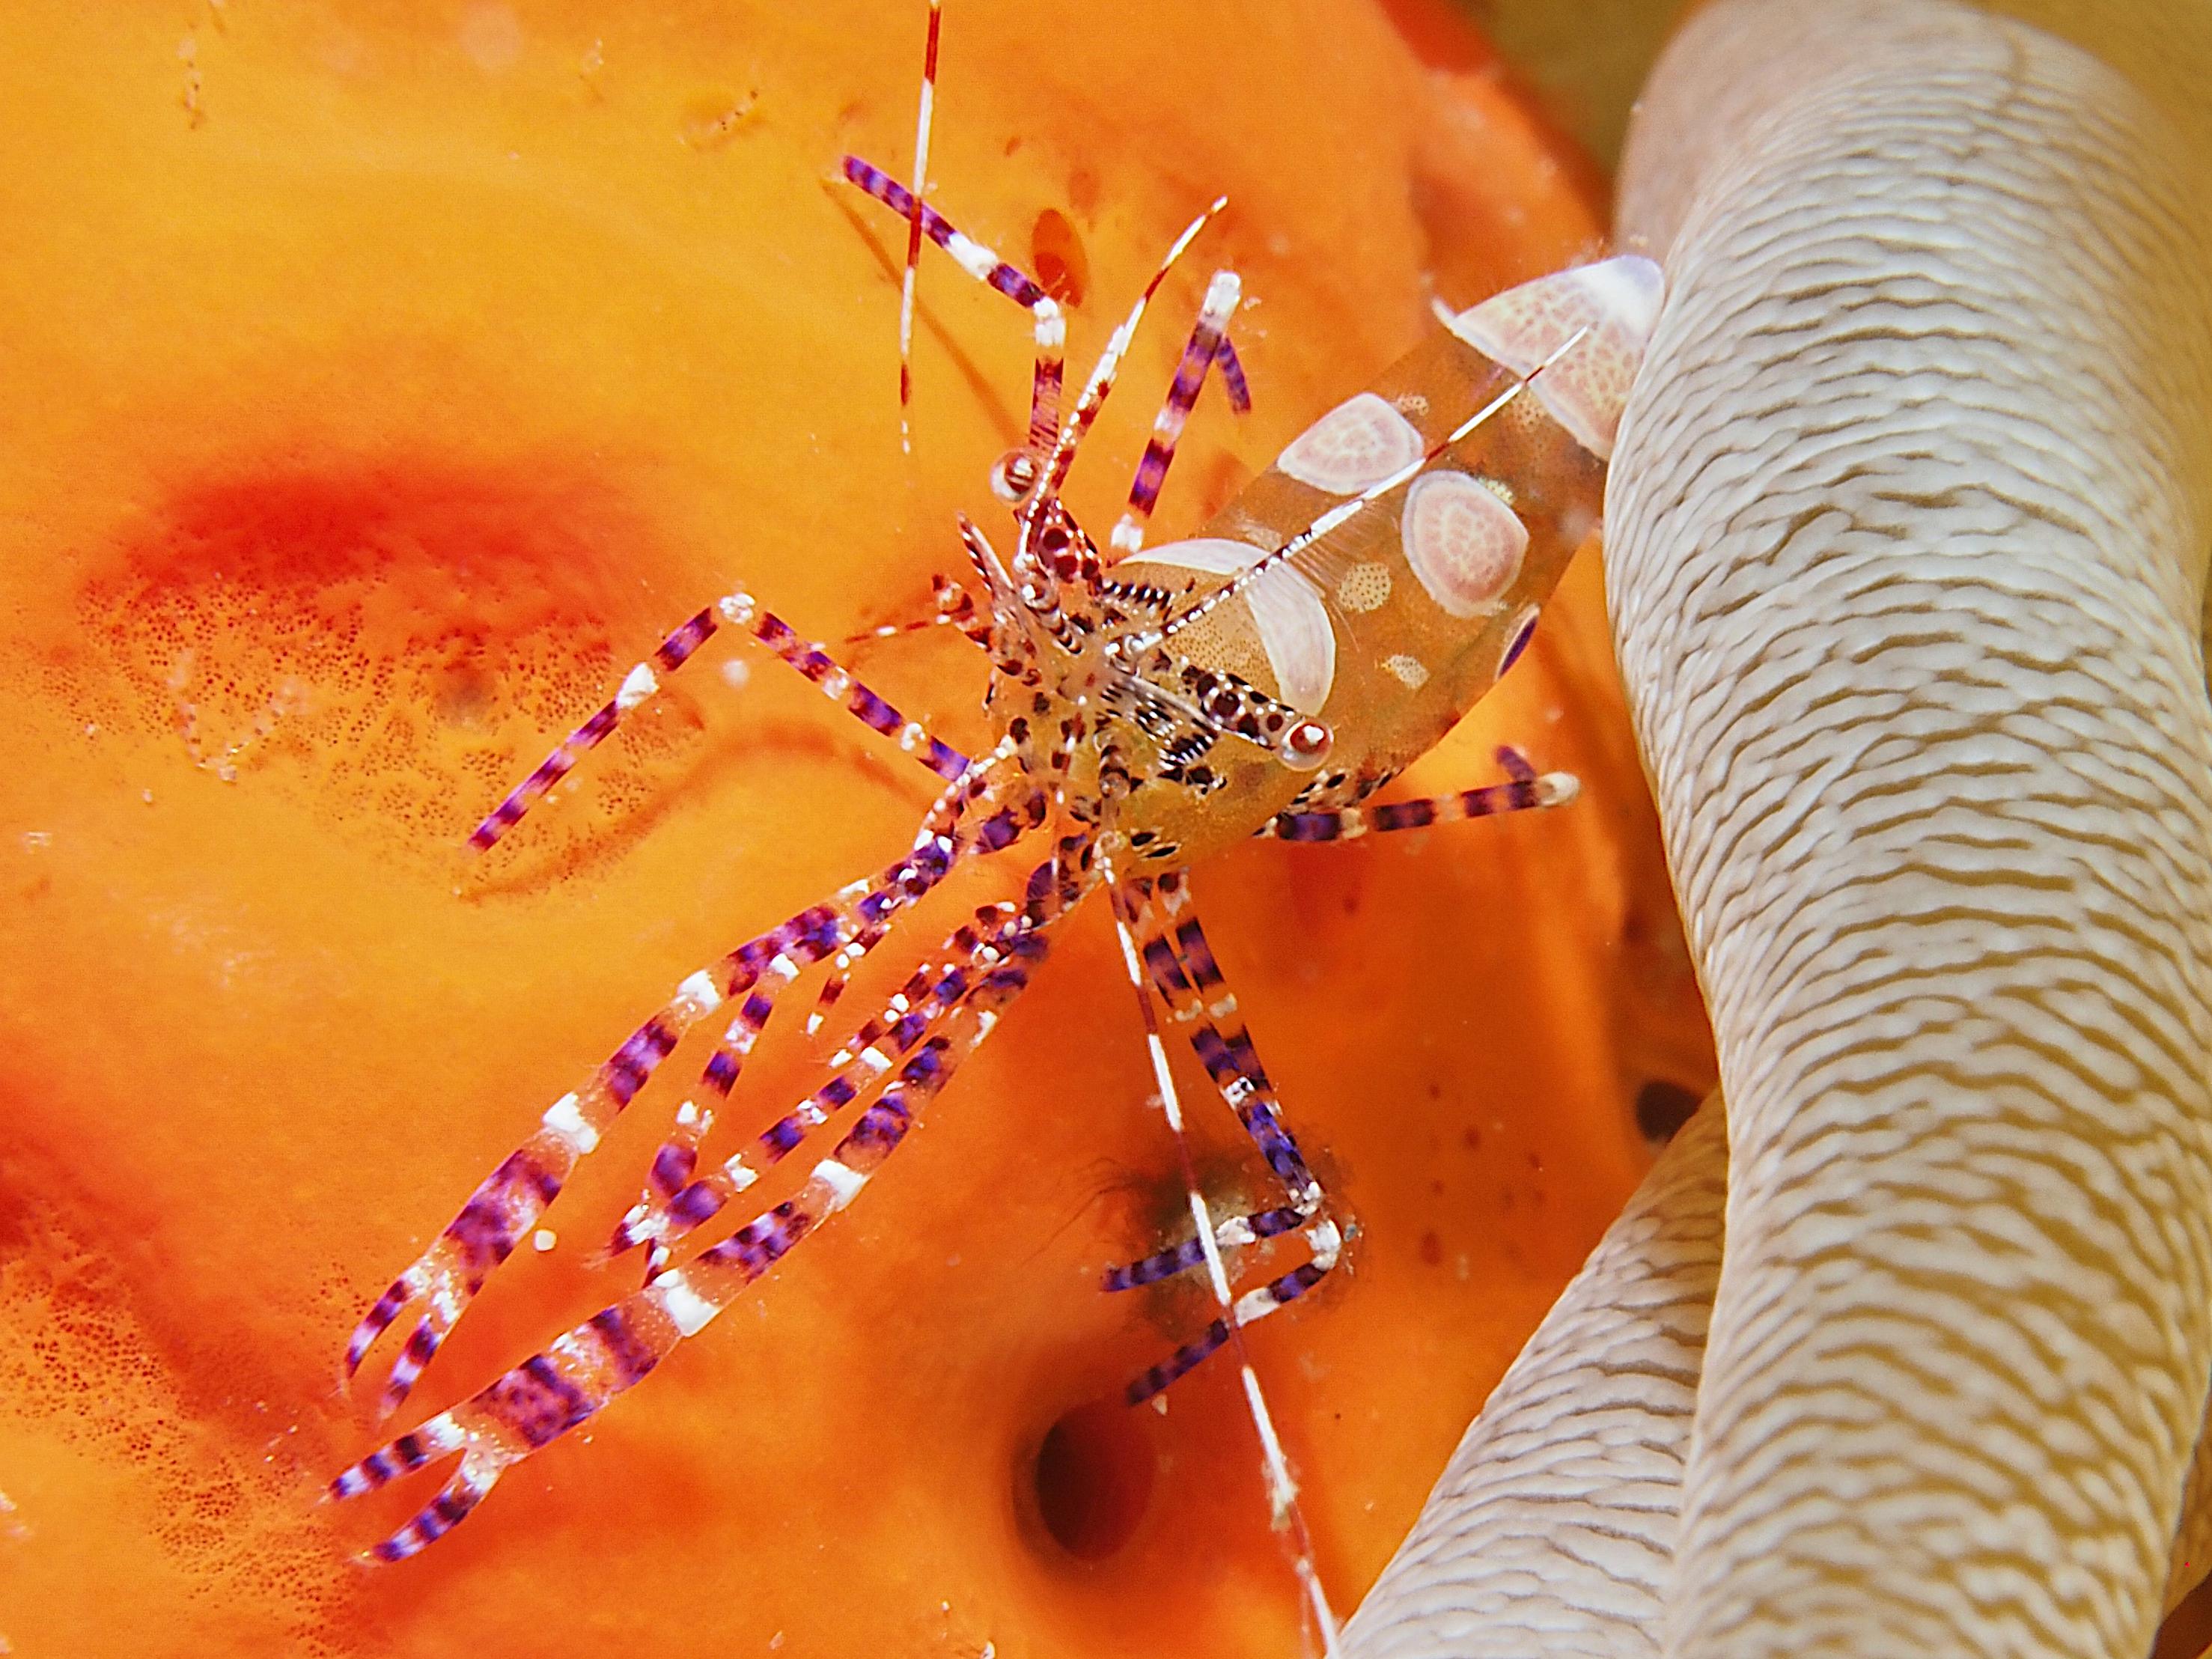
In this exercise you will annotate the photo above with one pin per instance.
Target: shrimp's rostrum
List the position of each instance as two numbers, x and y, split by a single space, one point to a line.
371 420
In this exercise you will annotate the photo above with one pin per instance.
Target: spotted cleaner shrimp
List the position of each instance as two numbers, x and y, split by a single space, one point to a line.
1264 677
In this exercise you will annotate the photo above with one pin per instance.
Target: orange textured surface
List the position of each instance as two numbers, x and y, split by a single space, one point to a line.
382 380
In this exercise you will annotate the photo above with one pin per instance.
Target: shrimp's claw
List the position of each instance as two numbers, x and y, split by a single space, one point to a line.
500 1212
532 1406
481 1464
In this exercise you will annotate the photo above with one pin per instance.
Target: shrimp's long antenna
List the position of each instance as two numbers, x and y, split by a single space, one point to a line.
914 224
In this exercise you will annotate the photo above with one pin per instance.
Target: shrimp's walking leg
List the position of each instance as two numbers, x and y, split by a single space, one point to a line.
1050 323
651 1220
1525 790
576 1375
1179 967
510 1200
552 1392
1253 1101
737 609
1108 366
1209 340
928 1002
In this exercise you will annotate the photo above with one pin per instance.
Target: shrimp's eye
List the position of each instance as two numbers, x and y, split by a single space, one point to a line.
1306 745
1014 474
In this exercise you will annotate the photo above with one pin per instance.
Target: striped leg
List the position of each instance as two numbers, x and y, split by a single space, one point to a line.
580 1372
955 608
510 1200
677 1156
916 1014
1050 324
1133 908
737 609
640 684
1182 971
999 930
1103 373
1208 337
1526 790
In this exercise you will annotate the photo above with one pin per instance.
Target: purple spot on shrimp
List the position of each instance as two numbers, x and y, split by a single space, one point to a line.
872 711
672 1167
1167 973
924 1067
878 1133
1204 972
1213 1054
538 1402
633 1062
630 1357
1405 815
1232 376
685 640
754 1249
696 1203
1308 826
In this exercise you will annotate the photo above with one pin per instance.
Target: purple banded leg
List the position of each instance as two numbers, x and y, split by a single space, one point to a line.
1233 382
1252 1306
838 684
1207 337
1179 967
446 1277
574 1378
1525 791
657 1218
509 1202
737 609
640 684
1181 1258
673 1166
1062 452
991 834
867 908
916 1015
1133 908
1050 324
840 976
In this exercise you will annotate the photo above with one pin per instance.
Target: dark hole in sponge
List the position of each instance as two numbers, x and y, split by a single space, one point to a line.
1663 1108
1094 1478
1057 258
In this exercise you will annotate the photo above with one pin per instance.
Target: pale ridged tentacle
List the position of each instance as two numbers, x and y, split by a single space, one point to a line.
1907 529
1551 1531
1907 602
